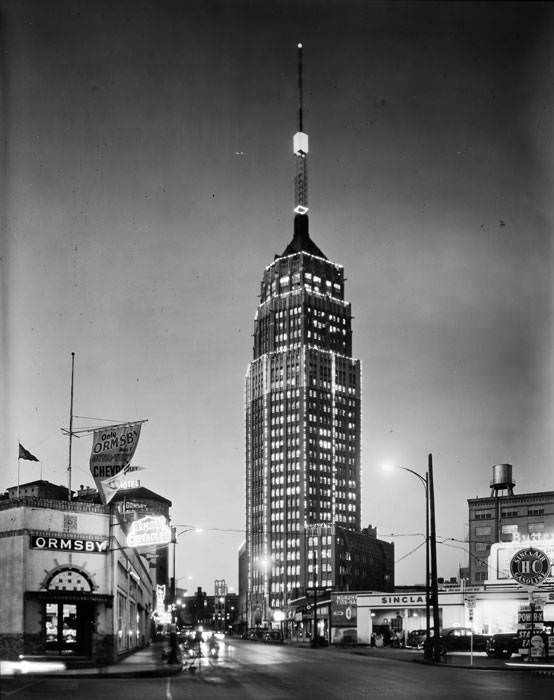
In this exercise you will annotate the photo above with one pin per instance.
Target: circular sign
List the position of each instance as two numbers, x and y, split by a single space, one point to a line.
530 566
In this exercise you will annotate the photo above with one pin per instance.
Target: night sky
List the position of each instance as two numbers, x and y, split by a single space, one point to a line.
148 180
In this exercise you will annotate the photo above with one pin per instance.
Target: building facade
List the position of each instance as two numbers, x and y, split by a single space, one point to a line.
506 517
71 587
211 612
303 416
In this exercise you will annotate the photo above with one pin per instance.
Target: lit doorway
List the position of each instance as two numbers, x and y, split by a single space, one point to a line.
67 628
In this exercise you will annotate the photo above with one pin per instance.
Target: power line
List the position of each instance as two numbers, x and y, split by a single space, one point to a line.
412 551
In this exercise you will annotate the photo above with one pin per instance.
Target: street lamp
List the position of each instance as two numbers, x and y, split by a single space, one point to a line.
174 536
431 585
173 633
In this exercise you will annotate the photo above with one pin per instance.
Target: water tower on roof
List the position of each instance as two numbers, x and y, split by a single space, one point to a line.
502 483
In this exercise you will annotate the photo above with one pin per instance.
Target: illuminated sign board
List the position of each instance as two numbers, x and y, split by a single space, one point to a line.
344 609
69 544
502 553
530 567
151 530
160 599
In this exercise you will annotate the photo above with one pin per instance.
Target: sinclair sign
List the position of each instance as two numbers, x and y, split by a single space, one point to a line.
530 566
148 531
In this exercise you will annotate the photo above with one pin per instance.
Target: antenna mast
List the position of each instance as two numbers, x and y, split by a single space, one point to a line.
300 149
71 424
300 96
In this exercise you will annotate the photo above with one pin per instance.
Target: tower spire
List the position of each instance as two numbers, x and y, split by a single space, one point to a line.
300 96
300 150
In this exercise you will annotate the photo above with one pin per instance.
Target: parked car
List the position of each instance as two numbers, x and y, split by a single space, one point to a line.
502 646
459 639
416 638
319 641
273 636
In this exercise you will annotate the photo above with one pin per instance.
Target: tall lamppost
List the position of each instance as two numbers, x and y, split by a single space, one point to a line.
431 651
173 658
434 581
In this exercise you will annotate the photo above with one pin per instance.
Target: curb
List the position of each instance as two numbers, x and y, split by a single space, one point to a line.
100 673
549 674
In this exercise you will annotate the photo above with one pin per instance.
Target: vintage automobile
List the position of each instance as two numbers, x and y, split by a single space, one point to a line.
459 639
416 638
503 645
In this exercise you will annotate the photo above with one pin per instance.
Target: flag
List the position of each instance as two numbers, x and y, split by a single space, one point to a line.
25 454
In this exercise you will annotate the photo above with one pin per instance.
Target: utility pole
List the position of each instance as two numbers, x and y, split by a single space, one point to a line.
173 655
314 636
434 582
70 425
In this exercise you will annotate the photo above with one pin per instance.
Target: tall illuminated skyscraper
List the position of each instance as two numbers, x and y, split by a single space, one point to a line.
303 418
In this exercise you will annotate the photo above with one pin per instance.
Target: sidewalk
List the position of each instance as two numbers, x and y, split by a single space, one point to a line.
458 659
147 662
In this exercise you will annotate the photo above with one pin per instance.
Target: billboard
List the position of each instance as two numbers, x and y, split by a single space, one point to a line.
113 448
344 610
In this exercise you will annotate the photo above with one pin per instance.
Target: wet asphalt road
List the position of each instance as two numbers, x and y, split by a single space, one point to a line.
249 670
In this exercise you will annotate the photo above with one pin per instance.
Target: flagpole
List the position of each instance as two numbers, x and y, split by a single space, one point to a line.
18 465
71 423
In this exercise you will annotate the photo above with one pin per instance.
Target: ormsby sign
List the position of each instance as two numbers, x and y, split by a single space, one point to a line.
69 544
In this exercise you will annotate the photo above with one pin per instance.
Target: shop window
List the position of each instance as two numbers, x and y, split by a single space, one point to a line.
60 628
482 515
482 531
508 532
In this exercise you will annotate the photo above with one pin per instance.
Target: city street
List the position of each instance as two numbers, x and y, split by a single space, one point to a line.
256 670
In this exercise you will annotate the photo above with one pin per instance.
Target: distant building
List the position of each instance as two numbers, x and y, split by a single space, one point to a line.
39 488
506 517
216 613
71 587
354 561
243 587
362 561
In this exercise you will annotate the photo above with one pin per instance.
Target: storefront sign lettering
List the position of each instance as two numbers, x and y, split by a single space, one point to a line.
402 599
69 544
344 598
533 537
